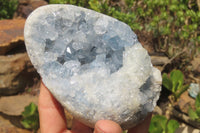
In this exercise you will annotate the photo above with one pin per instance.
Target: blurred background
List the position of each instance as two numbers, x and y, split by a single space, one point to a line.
168 29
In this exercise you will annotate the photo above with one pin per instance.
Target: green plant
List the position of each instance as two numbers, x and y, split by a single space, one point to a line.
7 8
105 6
30 117
58 1
195 114
160 124
83 3
174 83
172 22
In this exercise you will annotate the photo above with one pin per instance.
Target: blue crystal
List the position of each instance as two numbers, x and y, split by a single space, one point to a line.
81 41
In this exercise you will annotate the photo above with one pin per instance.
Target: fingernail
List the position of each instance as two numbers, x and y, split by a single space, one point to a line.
98 130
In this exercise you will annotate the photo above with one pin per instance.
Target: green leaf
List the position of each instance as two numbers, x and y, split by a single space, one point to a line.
173 7
31 122
155 128
26 124
166 82
29 110
58 1
30 117
95 5
177 79
158 124
176 75
192 114
172 126
156 19
180 91
197 101
180 13
125 131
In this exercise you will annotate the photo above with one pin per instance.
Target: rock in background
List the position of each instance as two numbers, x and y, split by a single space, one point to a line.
11 35
25 7
16 70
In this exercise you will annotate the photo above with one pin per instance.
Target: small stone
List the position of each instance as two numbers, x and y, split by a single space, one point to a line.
16 73
98 70
11 34
194 90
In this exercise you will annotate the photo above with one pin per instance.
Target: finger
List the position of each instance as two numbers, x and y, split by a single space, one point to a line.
78 127
107 126
52 118
143 127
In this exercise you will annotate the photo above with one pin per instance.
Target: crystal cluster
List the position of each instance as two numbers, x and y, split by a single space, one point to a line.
93 64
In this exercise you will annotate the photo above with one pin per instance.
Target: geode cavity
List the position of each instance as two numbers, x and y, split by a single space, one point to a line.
93 64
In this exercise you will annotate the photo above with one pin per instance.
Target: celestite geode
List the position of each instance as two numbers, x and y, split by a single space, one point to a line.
93 64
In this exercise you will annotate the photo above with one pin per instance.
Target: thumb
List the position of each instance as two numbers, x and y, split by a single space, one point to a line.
107 126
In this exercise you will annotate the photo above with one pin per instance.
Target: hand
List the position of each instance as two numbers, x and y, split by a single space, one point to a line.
52 119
